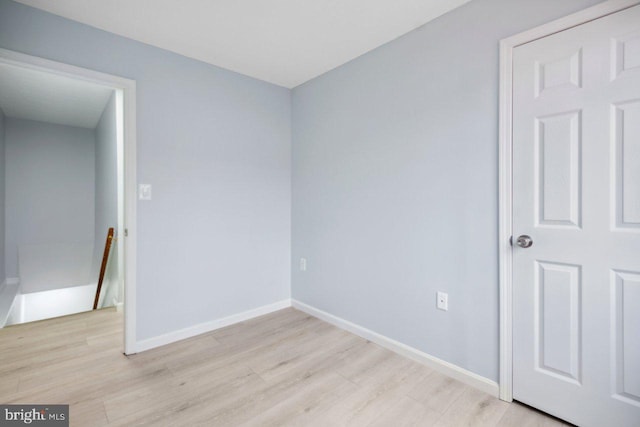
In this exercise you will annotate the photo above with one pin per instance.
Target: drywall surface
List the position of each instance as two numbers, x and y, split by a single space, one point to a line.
54 264
395 183
106 207
49 202
216 146
3 275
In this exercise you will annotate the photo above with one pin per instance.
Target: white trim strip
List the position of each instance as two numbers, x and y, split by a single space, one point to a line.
570 21
203 328
505 229
446 368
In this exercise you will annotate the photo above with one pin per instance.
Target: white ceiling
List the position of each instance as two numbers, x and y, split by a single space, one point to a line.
285 42
45 97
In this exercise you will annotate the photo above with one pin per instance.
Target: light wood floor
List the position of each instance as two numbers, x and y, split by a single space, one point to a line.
286 368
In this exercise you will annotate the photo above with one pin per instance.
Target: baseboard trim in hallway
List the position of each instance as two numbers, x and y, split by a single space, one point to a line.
470 378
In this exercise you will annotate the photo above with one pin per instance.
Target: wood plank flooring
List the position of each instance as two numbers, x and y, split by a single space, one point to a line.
283 369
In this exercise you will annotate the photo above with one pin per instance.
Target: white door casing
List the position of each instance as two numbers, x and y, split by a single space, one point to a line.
126 102
576 192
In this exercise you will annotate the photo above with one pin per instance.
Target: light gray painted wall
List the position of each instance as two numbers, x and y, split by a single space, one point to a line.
50 189
3 275
395 183
106 206
216 146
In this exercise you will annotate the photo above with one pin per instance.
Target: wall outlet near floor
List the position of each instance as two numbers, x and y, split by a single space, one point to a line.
303 264
442 301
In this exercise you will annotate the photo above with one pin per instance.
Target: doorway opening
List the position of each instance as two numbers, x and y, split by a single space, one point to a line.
67 154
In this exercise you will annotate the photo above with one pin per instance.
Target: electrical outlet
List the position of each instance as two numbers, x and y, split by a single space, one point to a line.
442 301
303 264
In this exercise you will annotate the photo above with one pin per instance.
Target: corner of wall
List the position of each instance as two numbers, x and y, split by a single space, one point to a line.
454 371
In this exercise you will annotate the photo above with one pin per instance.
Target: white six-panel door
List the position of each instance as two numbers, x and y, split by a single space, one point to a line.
576 193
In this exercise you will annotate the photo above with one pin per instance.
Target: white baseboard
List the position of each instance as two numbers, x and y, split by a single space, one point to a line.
202 328
8 294
449 369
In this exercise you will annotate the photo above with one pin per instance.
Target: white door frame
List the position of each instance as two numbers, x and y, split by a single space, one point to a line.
127 89
506 171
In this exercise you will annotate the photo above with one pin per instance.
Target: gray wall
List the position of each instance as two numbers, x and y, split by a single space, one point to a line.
50 190
3 275
395 183
106 206
216 146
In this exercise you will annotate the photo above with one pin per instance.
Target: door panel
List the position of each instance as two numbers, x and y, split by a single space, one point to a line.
626 339
576 181
626 122
558 320
558 168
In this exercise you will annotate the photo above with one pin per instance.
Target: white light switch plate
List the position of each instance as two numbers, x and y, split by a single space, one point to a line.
144 191
442 300
303 264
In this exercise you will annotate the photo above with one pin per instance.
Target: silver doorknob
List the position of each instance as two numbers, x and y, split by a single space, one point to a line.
524 241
